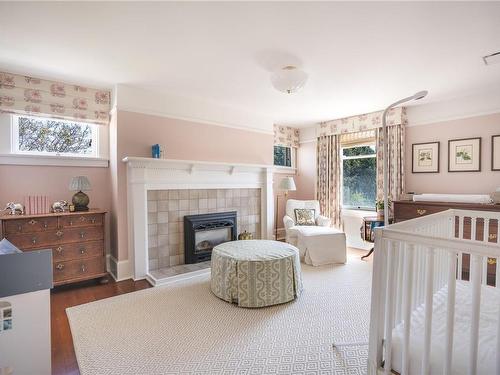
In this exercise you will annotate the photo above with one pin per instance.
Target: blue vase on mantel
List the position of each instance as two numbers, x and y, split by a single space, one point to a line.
155 151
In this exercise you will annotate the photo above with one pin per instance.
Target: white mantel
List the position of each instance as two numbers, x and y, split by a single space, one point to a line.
145 174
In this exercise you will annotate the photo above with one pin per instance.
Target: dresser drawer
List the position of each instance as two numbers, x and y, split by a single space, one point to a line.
75 250
30 225
78 269
81 220
410 211
55 237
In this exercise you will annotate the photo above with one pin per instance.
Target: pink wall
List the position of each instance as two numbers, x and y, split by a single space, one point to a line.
17 181
136 132
483 182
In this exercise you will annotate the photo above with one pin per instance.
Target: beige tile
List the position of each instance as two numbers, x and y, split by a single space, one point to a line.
153 253
221 193
152 241
174 260
193 194
164 261
173 216
181 216
243 210
173 239
163 217
163 228
184 204
244 201
229 193
163 250
203 194
193 204
162 240
203 203
173 194
184 194
162 206
152 229
210 210
152 218
173 227
153 264
152 195
212 193
173 205
152 206
229 202
244 192
236 193
221 202
203 211
162 195
194 212
212 203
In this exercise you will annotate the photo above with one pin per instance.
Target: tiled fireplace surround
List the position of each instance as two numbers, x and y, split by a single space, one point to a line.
167 208
160 192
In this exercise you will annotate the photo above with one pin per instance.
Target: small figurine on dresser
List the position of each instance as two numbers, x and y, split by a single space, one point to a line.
15 208
60 206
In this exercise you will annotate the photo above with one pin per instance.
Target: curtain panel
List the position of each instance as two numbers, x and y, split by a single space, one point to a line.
286 136
360 123
396 155
328 177
26 95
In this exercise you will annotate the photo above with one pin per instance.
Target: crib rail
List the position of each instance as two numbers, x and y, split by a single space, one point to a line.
416 258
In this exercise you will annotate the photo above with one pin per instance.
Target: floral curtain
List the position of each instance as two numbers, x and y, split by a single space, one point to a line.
367 121
33 96
396 155
328 177
286 136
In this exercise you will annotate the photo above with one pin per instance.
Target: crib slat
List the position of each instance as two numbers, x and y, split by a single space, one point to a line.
389 308
476 300
407 298
498 345
450 313
429 276
399 284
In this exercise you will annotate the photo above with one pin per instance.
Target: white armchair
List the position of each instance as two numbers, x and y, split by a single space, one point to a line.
291 229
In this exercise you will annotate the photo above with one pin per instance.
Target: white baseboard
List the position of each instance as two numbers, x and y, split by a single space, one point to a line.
119 269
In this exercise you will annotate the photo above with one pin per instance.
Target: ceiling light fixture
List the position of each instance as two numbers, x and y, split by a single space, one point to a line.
289 79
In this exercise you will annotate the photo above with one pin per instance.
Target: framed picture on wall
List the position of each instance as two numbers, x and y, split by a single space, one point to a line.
425 157
464 155
495 152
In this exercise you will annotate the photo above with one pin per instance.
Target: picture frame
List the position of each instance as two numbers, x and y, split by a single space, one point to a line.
495 152
425 157
464 155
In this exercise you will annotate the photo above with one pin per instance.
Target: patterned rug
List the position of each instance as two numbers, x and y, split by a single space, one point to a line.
182 328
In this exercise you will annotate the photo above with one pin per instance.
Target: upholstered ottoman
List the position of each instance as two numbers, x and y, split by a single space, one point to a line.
321 245
256 273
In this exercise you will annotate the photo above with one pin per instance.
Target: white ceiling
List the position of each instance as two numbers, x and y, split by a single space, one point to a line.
359 56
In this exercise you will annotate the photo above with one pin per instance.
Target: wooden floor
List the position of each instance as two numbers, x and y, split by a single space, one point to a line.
63 354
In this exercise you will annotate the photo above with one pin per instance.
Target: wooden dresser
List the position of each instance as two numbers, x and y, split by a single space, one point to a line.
76 240
405 210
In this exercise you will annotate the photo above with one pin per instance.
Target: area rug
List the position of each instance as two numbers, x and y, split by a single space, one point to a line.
182 328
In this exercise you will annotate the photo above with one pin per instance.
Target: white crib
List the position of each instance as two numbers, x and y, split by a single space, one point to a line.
421 307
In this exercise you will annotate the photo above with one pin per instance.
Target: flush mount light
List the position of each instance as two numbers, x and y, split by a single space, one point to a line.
288 79
494 58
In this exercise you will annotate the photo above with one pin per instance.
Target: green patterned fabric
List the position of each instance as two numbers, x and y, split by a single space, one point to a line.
304 216
256 273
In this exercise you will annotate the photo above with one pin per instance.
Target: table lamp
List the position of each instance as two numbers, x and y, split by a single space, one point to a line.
80 199
287 184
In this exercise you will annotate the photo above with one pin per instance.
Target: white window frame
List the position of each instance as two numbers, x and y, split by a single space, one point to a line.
342 158
10 153
293 157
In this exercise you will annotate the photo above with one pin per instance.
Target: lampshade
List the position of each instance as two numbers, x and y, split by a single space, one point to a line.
288 79
79 183
288 184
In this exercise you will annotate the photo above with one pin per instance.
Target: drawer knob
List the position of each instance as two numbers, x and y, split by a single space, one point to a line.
32 222
19 227
33 240
421 211
83 218
60 266
82 234
59 249
492 261
59 233
45 225
83 268
82 250
92 220
492 236
71 222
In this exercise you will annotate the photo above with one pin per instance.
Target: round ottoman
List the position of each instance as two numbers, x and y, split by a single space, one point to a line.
256 273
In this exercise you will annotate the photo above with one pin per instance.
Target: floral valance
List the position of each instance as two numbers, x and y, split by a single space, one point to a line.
286 136
367 121
33 96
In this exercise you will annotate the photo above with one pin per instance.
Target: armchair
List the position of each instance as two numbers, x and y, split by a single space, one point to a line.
292 230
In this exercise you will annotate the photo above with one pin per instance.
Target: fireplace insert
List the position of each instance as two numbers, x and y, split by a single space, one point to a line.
203 232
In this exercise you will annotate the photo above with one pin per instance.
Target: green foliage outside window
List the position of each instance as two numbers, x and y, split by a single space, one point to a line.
282 156
359 177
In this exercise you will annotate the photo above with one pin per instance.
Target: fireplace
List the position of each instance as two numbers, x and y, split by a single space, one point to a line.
203 232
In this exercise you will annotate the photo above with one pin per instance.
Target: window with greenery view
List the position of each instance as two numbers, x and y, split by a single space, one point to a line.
283 156
36 135
359 173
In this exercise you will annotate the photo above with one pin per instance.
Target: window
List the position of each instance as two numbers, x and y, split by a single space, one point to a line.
46 136
284 156
359 174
